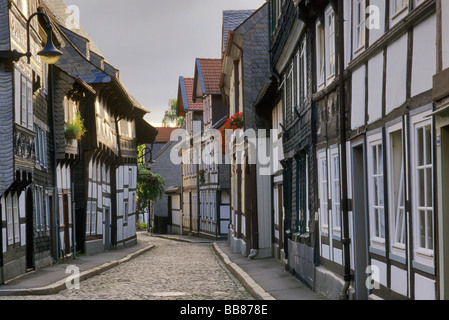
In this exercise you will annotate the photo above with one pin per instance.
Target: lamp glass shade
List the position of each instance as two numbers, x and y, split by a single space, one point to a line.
49 54
49 59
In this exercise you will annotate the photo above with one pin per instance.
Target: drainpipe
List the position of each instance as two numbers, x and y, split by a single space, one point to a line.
344 294
55 162
1 249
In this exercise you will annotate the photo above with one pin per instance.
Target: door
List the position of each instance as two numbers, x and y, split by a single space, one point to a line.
360 219
443 185
65 202
107 228
29 230
280 218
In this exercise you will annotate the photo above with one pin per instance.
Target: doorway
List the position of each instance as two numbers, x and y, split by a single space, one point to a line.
360 219
29 230
65 202
443 203
107 228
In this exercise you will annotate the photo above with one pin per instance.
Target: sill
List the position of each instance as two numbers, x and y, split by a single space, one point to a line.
377 250
399 13
359 50
424 267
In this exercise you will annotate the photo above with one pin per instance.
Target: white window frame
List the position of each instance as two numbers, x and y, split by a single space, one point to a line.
398 10
125 211
323 192
15 208
422 254
335 188
396 200
330 34
9 218
377 221
302 66
359 25
320 54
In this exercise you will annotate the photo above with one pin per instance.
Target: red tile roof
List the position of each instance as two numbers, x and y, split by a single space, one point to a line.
189 92
164 134
211 74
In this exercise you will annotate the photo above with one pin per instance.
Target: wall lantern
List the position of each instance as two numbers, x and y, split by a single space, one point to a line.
49 54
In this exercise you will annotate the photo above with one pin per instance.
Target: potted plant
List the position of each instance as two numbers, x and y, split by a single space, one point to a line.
201 175
74 129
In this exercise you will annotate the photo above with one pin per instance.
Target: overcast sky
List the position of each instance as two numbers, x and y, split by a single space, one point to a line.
153 42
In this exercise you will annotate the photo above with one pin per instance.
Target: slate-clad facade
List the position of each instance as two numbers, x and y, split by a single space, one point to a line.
291 63
245 70
44 172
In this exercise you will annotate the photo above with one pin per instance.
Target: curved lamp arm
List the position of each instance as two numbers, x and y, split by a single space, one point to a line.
49 54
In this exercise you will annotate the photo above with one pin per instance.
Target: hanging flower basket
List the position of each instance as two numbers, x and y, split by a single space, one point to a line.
233 123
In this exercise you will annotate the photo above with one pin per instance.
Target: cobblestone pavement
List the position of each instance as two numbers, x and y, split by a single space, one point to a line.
171 271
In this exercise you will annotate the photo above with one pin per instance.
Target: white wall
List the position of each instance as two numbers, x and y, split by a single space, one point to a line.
396 73
424 56
375 34
445 31
358 97
375 80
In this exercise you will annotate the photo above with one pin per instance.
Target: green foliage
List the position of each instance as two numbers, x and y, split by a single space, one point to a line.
75 129
150 185
170 117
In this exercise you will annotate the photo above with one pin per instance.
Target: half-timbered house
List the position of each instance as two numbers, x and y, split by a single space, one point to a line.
214 178
374 64
190 154
441 123
291 65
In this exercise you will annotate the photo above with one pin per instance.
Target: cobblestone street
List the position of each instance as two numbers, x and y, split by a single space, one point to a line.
171 271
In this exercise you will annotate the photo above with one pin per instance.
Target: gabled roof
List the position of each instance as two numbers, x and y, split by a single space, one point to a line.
185 97
207 77
231 20
164 134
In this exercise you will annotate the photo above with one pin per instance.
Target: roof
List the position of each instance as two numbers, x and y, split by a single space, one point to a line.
81 58
185 97
63 17
207 76
231 20
164 134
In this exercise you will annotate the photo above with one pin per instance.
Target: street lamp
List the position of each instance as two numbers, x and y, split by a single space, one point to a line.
49 54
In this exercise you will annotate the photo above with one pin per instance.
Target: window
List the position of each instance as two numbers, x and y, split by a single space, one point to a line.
360 19
320 53
398 6
38 208
15 210
376 189
23 100
335 188
423 175
91 221
9 217
23 6
330 25
41 146
396 188
302 73
94 217
323 190
126 212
